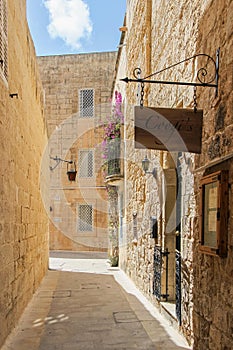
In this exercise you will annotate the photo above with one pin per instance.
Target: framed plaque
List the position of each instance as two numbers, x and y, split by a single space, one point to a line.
214 213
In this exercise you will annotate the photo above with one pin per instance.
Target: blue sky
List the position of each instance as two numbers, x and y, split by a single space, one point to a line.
75 26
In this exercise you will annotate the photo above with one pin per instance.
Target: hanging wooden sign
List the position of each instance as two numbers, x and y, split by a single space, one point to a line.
168 129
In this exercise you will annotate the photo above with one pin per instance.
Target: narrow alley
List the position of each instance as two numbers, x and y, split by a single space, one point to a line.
83 304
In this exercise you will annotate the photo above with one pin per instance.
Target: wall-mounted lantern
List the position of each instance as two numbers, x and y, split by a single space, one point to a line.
71 167
71 171
145 167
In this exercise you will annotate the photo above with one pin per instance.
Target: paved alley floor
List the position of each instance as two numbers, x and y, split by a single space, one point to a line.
83 304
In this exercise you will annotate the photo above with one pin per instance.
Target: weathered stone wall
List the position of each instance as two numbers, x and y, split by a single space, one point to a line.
63 77
213 278
23 221
161 33
160 41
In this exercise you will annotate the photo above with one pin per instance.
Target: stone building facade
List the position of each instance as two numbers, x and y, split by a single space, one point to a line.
78 100
160 246
23 137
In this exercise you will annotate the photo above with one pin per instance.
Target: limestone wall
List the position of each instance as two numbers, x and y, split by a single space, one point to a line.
213 277
155 41
23 137
161 33
63 77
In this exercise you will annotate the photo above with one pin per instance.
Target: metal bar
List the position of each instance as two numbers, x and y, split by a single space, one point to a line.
201 74
129 80
166 253
61 160
158 262
58 160
167 275
178 286
217 71
157 272
185 60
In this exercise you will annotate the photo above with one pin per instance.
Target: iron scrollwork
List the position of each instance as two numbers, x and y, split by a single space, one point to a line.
202 74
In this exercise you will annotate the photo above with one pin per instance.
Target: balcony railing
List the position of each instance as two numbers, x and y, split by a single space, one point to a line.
114 167
114 163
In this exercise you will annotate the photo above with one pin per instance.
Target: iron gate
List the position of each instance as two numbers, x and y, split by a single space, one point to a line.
157 272
178 286
158 263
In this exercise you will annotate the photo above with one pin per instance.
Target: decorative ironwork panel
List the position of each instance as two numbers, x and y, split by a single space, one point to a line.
85 217
157 272
86 103
178 286
114 165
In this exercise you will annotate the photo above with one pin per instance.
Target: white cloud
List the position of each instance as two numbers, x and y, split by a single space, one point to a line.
69 20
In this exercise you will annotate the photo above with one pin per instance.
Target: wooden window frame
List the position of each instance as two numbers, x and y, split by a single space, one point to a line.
214 213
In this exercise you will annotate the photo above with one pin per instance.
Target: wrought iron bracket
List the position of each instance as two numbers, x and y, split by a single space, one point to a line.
202 74
14 95
58 160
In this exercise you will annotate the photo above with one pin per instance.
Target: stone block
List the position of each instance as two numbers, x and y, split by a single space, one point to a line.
20 156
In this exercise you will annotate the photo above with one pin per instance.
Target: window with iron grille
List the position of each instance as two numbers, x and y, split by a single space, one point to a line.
85 218
3 40
86 163
86 103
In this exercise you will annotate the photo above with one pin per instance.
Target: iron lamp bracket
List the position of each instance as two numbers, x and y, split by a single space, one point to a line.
205 78
58 160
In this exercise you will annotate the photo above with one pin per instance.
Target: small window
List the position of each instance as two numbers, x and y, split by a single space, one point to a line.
85 218
86 163
3 41
214 213
86 103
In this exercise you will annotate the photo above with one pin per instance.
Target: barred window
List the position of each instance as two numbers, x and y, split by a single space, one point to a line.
86 103
85 218
3 40
86 163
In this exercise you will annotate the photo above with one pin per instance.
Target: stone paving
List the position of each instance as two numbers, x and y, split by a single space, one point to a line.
83 304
